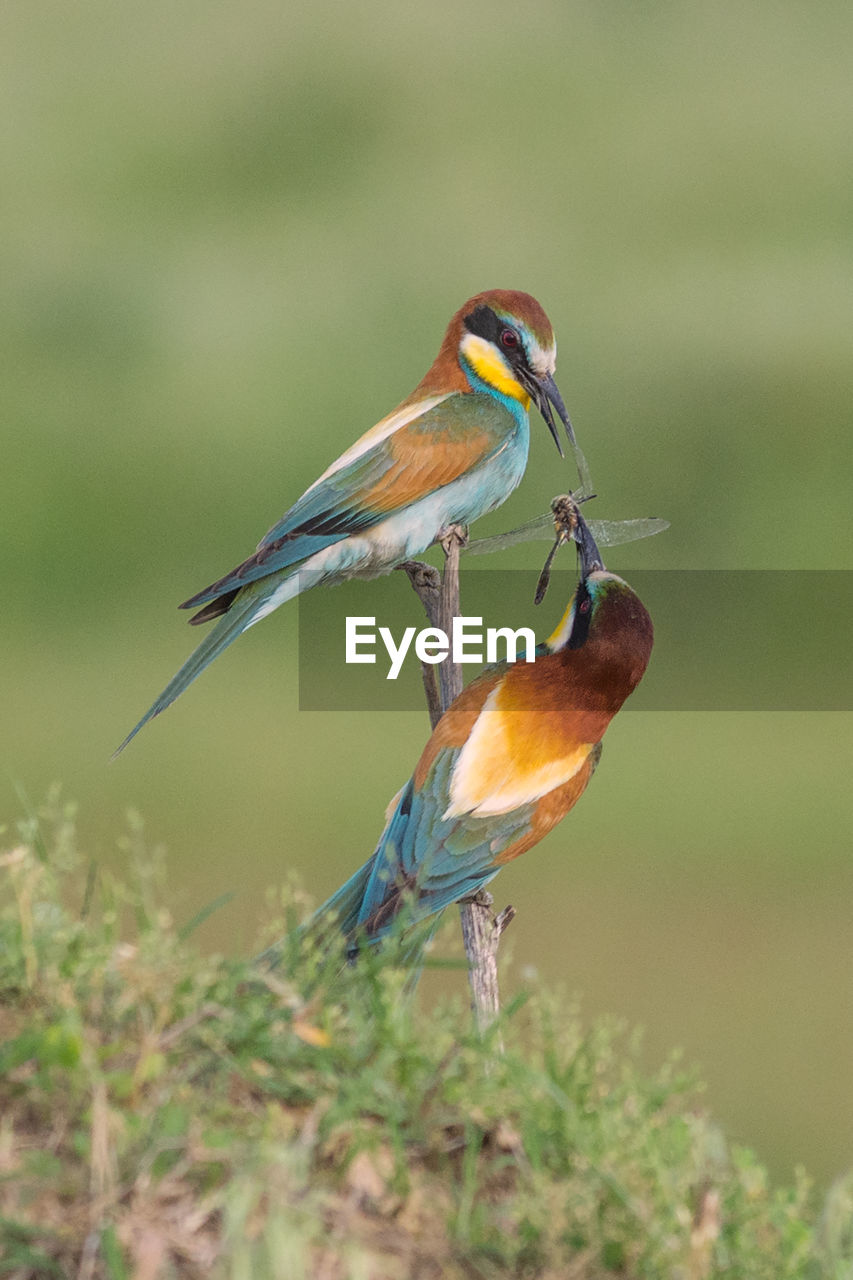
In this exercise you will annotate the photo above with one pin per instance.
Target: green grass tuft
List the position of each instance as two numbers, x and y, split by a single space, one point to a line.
170 1114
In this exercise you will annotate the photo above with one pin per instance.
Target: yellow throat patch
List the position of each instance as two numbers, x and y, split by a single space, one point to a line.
490 365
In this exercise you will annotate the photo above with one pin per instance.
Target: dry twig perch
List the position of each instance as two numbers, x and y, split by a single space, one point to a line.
481 930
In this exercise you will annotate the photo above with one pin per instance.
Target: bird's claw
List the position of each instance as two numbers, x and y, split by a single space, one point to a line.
480 898
454 535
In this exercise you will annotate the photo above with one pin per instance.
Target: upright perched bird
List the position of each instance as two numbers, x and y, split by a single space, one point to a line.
453 450
505 763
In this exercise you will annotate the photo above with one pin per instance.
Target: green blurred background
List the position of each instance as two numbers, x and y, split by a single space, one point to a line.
232 238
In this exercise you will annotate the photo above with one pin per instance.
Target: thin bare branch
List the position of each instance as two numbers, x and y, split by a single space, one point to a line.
481 930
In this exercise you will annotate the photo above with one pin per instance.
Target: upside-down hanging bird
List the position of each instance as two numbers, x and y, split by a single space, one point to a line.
453 450
506 762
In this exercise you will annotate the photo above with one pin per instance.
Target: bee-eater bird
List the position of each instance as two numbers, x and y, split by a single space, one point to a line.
505 763
453 450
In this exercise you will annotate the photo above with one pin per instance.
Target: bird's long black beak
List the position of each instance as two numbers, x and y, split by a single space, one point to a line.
590 556
545 394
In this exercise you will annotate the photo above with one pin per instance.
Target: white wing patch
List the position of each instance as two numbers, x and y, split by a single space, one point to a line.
489 778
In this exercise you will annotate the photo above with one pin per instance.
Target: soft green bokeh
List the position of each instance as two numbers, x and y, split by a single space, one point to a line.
232 236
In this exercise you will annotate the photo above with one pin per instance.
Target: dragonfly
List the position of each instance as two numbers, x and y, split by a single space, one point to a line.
562 518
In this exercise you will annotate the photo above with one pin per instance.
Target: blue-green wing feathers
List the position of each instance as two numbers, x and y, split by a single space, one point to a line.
325 514
424 860
353 499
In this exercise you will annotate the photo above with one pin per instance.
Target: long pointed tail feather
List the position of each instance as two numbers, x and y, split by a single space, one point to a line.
334 928
240 616
335 919
344 906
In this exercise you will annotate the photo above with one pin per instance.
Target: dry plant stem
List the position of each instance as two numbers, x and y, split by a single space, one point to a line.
481 931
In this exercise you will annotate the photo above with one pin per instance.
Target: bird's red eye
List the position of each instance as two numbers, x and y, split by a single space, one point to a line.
584 606
509 338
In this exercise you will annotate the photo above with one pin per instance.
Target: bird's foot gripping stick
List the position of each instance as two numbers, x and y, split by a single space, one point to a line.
455 535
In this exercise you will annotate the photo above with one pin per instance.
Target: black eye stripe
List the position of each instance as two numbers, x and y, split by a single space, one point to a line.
583 615
485 324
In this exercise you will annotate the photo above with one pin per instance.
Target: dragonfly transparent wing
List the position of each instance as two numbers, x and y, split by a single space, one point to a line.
611 533
607 533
